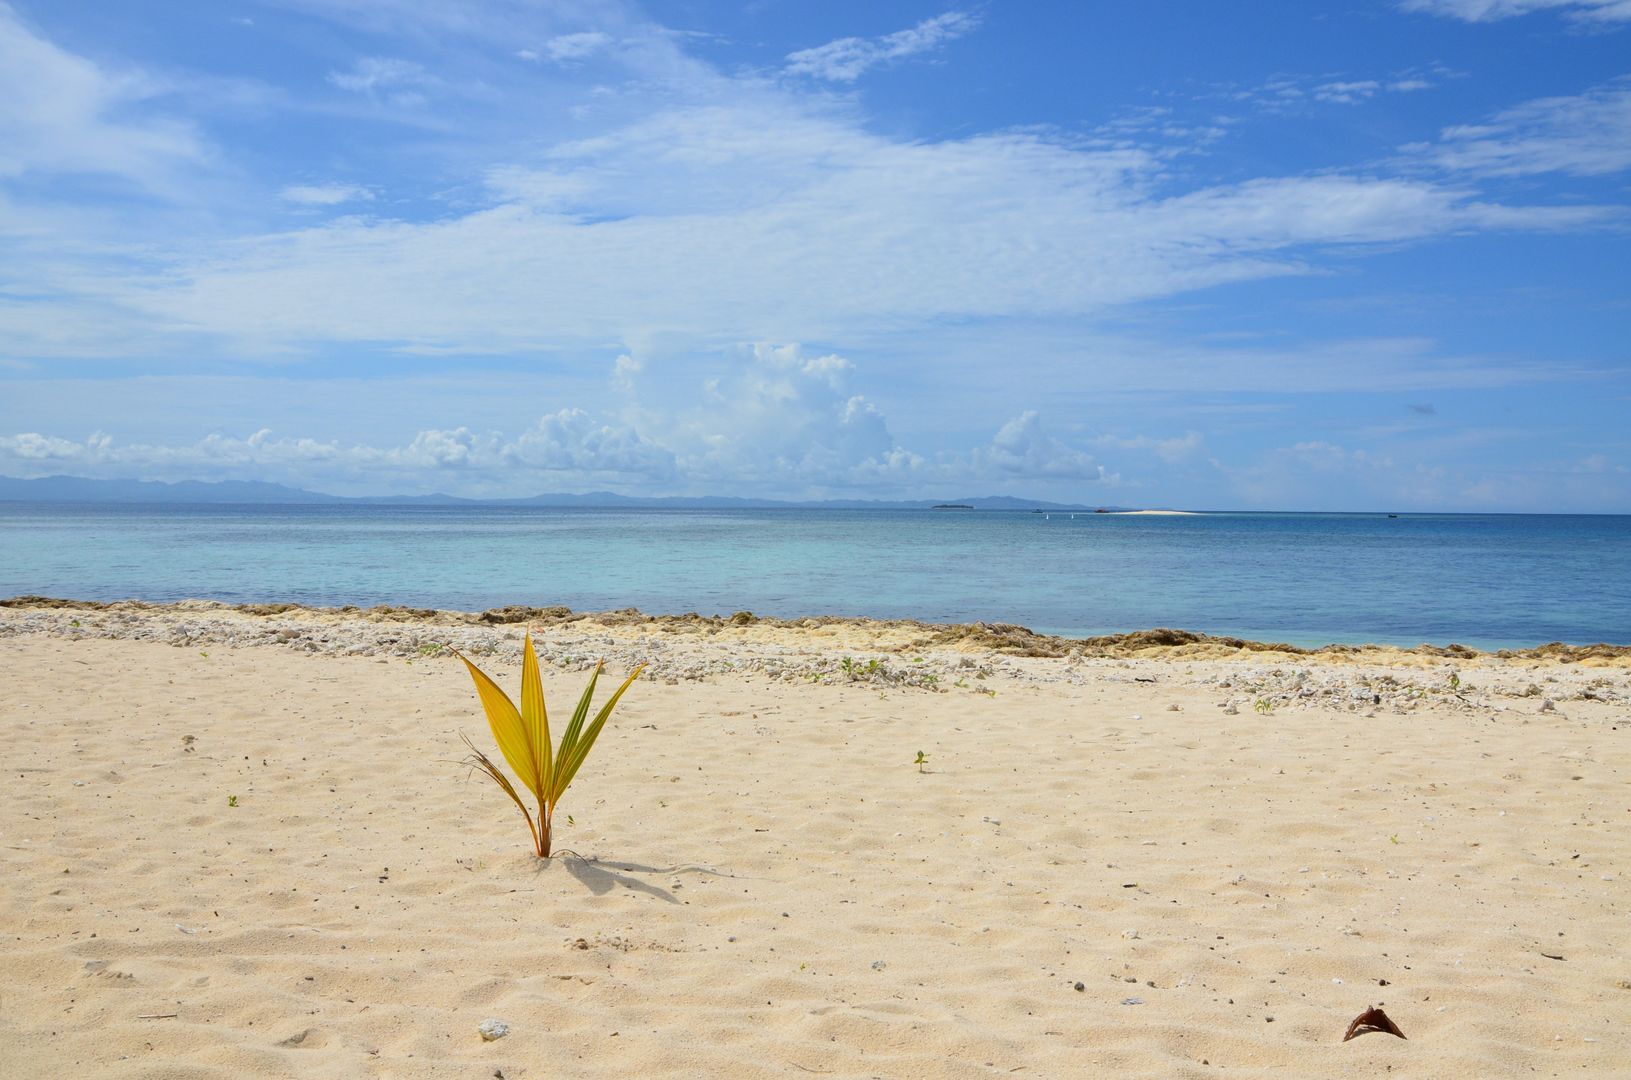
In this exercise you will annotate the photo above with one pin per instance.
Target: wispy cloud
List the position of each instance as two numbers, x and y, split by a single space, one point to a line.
847 59
325 194
1590 11
1584 135
400 82
763 222
63 113
565 48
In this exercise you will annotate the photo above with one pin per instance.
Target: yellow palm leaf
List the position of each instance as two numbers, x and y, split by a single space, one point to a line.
536 719
508 729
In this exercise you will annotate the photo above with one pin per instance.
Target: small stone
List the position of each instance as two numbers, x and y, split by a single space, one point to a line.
1080 987
878 965
491 1029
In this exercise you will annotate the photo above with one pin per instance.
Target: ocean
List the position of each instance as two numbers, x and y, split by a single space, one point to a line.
1487 581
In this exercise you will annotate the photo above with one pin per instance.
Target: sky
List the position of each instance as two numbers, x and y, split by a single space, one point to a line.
1283 255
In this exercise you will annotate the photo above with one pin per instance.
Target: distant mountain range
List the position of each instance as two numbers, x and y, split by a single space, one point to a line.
70 489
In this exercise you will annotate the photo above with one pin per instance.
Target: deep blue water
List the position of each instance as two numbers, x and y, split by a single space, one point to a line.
1486 581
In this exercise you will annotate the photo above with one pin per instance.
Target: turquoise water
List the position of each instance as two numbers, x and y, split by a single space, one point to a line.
1485 581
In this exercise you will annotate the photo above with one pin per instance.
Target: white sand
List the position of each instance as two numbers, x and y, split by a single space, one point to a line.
772 889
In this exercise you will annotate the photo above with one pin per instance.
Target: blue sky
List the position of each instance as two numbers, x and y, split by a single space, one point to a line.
1368 255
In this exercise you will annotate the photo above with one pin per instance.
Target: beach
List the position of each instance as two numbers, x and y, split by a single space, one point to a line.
240 842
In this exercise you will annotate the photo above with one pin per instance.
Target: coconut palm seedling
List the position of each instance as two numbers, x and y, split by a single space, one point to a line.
523 738
921 760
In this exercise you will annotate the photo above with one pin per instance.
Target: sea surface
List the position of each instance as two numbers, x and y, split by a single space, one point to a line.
1488 581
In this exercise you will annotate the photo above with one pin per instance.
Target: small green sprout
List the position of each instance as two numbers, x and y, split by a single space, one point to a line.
1394 839
73 622
1455 681
232 800
1263 705
921 760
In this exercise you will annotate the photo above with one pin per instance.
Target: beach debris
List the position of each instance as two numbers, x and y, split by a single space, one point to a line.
187 743
491 1029
1372 1019
1132 1001
878 965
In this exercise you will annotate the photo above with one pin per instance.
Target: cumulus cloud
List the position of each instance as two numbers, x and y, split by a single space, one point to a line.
1023 448
563 447
777 419
784 415
1588 11
847 59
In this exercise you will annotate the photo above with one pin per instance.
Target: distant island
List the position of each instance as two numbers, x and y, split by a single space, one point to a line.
78 489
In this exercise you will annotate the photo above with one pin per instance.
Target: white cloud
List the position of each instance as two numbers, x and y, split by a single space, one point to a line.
776 420
1347 93
1171 450
846 59
371 73
61 113
1598 11
324 194
1585 135
772 222
1022 448
579 46
781 415
624 369
562 448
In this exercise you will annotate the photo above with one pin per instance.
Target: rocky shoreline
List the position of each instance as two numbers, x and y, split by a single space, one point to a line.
887 654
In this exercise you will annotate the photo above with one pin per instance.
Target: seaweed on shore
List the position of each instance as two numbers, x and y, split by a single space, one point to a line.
1006 638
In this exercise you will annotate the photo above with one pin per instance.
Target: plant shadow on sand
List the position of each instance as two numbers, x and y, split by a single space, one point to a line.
602 877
